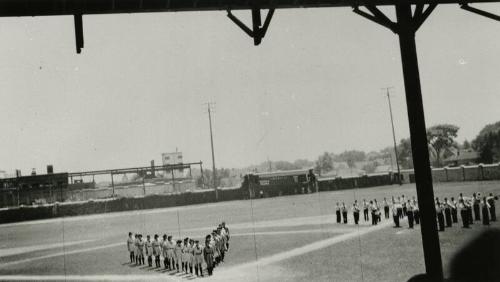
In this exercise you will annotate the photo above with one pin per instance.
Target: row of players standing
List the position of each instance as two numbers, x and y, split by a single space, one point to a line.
372 207
445 210
216 245
181 255
471 209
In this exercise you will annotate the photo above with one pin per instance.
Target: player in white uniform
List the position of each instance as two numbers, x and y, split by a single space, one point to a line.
395 212
140 249
184 256
355 211
226 230
190 255
149 251
169 245
136 244
131 247
178 254
157 250
164 251
198 258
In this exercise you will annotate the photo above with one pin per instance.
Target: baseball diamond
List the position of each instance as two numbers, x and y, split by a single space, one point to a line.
295 238
254 140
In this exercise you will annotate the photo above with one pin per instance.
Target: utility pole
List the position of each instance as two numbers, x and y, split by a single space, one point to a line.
393 133
210 108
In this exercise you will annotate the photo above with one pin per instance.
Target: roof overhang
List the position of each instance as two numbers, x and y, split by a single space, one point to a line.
19 8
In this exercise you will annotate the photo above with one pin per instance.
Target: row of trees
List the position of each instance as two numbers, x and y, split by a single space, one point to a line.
326 161
208 177
487 143
441 143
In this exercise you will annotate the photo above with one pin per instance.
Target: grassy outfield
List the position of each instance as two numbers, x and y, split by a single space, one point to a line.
290 238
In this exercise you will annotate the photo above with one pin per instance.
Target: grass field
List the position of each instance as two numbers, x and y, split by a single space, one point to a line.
290 238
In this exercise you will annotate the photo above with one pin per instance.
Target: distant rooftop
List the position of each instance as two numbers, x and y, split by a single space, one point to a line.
464 155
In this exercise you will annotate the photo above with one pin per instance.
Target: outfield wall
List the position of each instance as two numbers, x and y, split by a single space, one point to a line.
130 199
12 197
24 213
491 172
458 174
331 184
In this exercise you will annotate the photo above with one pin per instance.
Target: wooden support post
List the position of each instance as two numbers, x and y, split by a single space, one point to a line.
418 136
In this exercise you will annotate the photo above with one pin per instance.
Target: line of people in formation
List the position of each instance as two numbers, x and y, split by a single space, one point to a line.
471 209
446 210
180 255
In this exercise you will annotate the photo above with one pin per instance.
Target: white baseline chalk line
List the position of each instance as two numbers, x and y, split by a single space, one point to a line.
123 244
301 250
281 232
26 249
115 245
63 253
223 274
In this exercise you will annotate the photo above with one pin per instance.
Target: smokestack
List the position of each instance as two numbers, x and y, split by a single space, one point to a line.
18 173
153 168
50 169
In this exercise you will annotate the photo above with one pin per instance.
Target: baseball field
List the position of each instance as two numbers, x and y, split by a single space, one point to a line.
292 238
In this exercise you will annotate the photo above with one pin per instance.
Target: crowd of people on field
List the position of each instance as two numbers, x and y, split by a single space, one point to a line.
447 210
471 209
180 256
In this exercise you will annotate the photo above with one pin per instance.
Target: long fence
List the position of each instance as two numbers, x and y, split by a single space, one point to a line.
47 211
457 174
77 193
132 201
337 183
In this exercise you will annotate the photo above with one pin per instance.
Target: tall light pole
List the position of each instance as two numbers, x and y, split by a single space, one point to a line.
393 133
209 108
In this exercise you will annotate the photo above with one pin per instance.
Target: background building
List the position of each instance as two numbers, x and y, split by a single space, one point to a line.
171 158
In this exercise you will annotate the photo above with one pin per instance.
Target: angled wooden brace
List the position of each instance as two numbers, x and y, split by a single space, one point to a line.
78 32
421 15
376 16
258 30
480 12
419 8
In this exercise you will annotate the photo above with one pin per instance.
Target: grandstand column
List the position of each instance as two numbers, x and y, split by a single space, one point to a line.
50 192
18 201
143 185
202 178
112 184
418 136
173 180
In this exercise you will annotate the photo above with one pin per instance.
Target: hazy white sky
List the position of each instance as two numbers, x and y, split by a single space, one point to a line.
312 86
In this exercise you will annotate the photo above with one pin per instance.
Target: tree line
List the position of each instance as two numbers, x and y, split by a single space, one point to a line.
441 141
442 144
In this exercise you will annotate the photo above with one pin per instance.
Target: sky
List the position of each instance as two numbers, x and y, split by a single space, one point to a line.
313 85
